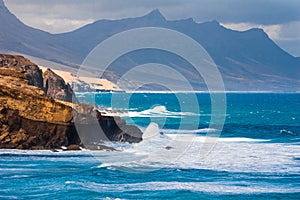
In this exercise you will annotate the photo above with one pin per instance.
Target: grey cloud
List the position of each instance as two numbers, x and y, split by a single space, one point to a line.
290 31
255 11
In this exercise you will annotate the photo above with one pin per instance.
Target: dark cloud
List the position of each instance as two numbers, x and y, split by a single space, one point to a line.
254 11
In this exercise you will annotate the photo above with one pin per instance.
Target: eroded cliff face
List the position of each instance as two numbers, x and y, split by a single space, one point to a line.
30 118
31 70
55 87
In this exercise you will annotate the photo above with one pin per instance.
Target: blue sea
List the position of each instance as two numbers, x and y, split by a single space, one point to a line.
257 155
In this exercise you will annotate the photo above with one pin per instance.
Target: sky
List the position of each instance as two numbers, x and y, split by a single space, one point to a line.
280 19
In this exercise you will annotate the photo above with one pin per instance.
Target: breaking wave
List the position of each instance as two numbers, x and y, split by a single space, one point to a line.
157 111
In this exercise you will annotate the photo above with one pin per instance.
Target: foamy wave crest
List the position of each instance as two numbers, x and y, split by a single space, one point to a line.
229 187
229 154
202 130
157 111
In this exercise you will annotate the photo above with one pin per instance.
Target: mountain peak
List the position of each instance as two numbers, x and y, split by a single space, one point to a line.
155 14
214 23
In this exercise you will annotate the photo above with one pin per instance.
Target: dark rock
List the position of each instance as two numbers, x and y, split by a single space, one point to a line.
127 133
56 87
104 128
31 70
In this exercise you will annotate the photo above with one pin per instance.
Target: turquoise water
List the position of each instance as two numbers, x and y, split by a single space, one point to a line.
256 156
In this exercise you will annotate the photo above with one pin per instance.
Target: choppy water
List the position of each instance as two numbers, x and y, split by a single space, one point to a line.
257 155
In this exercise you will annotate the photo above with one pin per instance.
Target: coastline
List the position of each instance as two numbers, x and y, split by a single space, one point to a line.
36 112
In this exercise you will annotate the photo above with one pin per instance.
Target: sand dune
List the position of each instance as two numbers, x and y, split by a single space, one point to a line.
94 83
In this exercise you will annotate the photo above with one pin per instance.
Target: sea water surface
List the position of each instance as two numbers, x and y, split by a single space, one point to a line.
256 156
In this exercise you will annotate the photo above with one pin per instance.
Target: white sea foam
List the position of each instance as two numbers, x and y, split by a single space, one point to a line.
16 176
229 154
157 111
208 187
8 152
185 131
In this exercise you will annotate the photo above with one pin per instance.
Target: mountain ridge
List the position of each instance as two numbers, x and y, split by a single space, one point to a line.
245 55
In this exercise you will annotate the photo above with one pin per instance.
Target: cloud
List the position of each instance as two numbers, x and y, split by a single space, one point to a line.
289 31
273 31
61 25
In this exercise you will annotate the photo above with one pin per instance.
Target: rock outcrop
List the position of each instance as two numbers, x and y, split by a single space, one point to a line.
56 87
92 127
30 119
53 85
32 71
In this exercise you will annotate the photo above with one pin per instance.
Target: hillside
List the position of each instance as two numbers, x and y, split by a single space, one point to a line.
248 60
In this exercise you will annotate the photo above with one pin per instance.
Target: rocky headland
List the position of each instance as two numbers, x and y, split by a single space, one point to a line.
36 112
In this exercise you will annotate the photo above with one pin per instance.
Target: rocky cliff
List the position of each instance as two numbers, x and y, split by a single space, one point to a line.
31 118
31 70
55 87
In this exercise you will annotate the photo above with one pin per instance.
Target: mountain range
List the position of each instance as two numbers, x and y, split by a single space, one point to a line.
248 60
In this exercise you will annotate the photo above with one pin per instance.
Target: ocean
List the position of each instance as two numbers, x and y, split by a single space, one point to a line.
256 156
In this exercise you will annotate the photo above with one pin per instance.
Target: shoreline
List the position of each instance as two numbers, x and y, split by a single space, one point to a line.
39 111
